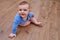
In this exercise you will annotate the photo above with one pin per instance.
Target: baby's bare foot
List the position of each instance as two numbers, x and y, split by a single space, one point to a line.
12 35
39 24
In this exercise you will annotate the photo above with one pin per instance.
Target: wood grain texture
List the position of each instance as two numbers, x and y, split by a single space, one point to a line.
46 11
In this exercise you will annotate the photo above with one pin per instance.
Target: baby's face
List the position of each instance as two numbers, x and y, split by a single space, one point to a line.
23 10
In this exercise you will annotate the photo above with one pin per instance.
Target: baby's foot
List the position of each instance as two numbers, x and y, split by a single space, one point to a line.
12 35
39 24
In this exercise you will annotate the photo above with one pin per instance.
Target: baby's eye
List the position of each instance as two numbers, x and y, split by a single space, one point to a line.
25 9
20 9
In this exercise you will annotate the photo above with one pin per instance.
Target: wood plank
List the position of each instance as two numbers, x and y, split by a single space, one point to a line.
46 11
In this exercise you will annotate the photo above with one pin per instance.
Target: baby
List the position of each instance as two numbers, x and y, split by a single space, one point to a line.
23 17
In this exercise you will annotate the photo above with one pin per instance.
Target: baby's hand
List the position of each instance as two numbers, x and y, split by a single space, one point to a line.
12 35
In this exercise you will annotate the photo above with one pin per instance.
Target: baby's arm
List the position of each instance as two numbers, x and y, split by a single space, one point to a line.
15 24
14 27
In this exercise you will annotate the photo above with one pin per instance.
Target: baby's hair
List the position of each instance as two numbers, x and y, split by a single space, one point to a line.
24 2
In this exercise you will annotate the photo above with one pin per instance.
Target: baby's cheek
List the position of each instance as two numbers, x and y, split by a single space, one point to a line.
27 13
19 11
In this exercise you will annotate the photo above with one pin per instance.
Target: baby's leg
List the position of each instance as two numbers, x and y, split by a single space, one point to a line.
33 20
26 23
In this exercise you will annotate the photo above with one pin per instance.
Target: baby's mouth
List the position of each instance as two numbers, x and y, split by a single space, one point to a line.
22 14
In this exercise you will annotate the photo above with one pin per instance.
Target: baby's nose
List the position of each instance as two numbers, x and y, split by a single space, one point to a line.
22 11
